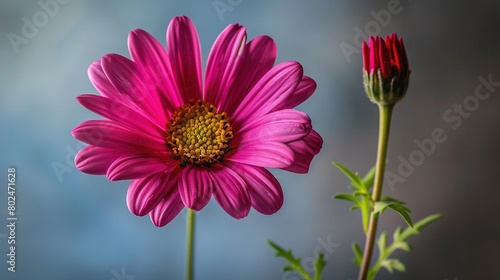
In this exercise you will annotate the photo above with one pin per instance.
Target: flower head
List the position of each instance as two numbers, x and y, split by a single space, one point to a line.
385 69
182 141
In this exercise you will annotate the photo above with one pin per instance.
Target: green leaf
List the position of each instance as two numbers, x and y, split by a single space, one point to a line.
397 233
362 193
347 197
361 196
390 199
294 262
355 179
369 177
393 264
380 206
417 228
354 207
286 254
382 242
358 254
399 242
403 245
394 204
403 211
319 264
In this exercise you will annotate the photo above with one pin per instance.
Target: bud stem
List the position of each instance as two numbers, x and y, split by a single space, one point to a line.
385 113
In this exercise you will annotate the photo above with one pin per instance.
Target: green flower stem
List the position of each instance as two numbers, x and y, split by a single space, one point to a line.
385 112
190 244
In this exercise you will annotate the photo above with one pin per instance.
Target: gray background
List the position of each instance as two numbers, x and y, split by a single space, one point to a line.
76 226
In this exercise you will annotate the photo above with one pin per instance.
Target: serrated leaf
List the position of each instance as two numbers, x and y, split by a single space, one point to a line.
382 242
403 245
399 266
319 265
393 264
397 233
294 262
403 211
355 179
398 242
286 254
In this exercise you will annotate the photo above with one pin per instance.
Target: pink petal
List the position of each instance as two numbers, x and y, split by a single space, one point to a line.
265 191
366 56
145 194
185 57
195 187
264 154
404 65
303 91
108 134
384 58
304 149
152 58
258 58
373 45
230 192
101 82
278 126
276 86
136 166
95 160
224 63
134 85
124 115
167 209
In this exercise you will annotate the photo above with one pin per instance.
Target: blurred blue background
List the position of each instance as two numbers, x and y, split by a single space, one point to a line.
77 226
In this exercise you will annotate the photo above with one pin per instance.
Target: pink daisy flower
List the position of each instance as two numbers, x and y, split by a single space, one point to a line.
181 140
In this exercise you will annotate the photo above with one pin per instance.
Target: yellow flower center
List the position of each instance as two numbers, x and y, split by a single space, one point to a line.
198 134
